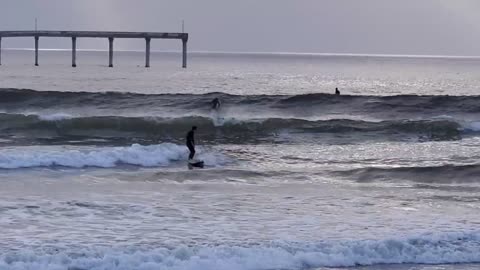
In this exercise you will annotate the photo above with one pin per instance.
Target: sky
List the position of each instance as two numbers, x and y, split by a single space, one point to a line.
413 27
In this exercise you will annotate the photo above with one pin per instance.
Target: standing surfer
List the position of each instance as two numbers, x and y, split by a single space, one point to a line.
216 104
191 142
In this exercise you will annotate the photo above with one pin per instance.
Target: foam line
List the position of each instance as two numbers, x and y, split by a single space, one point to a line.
106 157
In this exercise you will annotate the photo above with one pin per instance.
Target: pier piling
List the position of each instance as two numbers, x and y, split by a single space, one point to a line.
184 53
147 52
74 52
110 52
36 50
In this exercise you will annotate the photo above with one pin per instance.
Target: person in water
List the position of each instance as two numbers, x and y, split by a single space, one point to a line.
191 142
216 104
337 92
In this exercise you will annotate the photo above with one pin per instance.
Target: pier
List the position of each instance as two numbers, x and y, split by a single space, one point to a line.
110 36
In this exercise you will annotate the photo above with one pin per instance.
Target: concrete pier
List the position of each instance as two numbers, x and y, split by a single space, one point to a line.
36 50
147 52
74 52
148 36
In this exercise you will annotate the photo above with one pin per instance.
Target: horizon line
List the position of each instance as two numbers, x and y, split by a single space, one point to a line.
259 53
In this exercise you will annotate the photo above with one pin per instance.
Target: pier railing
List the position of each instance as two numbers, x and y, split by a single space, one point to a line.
111 36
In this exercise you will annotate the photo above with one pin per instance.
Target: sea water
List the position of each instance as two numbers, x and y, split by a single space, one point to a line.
94 175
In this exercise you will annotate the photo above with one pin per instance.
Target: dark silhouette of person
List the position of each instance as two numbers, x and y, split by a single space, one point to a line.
337 92
216 104
191 142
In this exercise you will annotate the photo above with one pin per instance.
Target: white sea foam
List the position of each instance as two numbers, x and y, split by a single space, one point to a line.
45 116
426 249
55 116
140 155
473 126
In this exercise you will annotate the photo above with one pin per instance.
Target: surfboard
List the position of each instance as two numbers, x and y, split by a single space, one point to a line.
195 163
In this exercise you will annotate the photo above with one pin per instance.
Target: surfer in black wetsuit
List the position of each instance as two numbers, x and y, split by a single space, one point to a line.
216 104
337 92
191 142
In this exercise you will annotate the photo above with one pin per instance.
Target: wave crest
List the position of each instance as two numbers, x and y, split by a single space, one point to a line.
433 174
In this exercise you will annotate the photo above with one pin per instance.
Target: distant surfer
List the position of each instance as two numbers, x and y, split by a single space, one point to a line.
216 104
337 92
191 142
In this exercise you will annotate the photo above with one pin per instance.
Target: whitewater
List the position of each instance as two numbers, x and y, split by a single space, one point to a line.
94 175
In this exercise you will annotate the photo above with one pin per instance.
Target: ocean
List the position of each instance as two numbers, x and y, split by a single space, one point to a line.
94 175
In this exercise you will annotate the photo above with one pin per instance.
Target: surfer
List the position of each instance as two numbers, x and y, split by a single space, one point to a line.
191 142
337 92
216 104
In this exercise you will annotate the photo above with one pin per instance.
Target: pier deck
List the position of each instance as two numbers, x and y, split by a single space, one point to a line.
111 36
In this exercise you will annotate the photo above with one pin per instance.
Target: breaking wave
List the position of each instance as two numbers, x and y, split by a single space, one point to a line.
451 248
104 157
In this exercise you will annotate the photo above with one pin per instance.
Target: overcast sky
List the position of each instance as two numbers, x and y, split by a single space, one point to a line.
440 27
